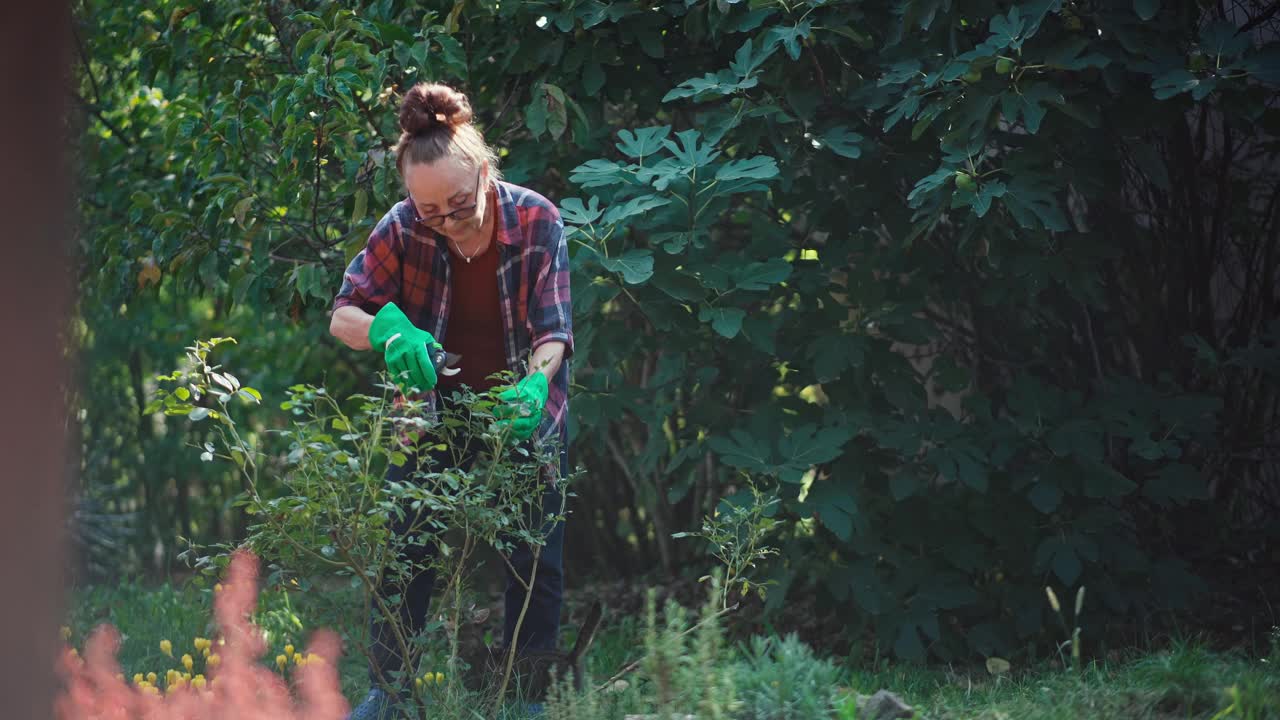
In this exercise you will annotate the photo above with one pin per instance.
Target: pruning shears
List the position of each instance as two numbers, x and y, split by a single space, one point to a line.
445 362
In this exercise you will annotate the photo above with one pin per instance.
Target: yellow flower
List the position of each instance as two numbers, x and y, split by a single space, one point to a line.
214 659
281 661
166 647
217 588
204 652
66 632
417 682
201 643
187 662
138 678
151 690
297 659
171 676
312 657
151 678
288 650
439 678
198 682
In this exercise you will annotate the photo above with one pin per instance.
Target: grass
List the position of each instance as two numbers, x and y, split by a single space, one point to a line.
1183 680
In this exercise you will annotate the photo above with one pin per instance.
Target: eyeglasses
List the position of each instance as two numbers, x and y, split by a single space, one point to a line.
462 213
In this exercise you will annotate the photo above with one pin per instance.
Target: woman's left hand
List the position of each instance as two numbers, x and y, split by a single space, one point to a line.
520 408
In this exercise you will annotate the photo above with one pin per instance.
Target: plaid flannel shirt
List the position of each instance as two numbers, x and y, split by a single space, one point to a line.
407 262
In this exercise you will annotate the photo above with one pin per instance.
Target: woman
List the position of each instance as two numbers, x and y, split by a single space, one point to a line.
480 266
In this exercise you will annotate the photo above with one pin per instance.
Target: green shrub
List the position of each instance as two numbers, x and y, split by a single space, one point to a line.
781 679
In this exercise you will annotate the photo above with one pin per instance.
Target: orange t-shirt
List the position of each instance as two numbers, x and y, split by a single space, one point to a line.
475 321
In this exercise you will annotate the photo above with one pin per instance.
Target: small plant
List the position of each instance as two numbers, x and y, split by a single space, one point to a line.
738 537
330 512
782 678
683 676
1073 639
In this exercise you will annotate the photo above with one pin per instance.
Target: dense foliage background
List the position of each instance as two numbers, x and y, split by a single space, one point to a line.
986 292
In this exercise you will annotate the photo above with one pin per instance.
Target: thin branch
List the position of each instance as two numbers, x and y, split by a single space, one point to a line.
1265 16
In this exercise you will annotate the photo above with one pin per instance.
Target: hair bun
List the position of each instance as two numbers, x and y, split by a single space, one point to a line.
430 105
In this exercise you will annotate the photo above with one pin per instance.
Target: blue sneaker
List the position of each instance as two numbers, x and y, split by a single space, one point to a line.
377 705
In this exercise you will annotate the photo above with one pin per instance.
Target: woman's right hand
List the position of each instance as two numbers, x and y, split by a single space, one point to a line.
406 348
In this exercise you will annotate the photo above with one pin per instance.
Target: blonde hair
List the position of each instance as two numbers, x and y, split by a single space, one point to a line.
435 122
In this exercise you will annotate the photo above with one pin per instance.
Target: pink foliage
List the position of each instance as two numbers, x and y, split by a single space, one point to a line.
240 687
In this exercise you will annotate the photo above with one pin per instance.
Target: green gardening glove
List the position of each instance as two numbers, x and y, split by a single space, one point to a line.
520 407
406 348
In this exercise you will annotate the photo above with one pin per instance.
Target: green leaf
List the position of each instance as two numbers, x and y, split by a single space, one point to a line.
574 213
643 142
833 353
1146 9
790 37
1069 54
760 167
665 172
725 321
1066 565
1173 82
241 210
903 484
1032 207
634 206
679 286
1223 39
1045 496
635 265
593 78
1100 480
1029 104
1009 30
740 449
1265 64
689 152
907 645
747 60
759 276
361 206
598 173
981 200
721 83
311 39
841 141
810 445
557 111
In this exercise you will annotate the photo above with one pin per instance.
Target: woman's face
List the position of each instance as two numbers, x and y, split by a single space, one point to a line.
447 186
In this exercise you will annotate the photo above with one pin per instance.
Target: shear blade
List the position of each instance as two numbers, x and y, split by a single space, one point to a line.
450 360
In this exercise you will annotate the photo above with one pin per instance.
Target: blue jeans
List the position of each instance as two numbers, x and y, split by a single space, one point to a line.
541 627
